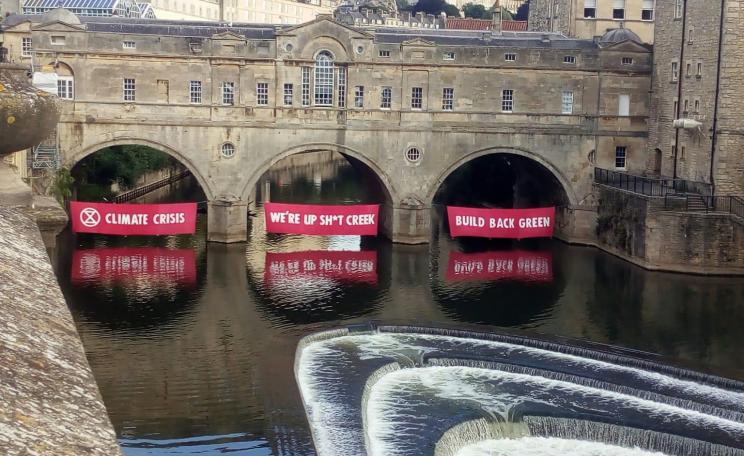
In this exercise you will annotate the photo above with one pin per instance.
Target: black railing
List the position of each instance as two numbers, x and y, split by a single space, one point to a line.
733 205
649 186
145 189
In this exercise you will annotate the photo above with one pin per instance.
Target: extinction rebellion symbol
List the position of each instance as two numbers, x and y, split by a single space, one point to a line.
90 217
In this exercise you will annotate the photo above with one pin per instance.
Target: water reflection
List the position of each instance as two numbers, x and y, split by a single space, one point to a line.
207 368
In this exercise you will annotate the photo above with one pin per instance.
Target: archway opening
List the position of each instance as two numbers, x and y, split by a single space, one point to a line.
134 173
502 180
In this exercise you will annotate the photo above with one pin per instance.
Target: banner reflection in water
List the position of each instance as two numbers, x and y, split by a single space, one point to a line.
128 263
501 265
339 265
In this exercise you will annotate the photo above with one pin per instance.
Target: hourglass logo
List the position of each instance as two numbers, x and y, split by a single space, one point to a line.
90 217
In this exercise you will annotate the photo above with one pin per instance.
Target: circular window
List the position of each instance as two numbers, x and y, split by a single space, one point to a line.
413 155
228 150
360 49
288 47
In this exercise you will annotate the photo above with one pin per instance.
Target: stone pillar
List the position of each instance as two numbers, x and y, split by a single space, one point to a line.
227 220
411 222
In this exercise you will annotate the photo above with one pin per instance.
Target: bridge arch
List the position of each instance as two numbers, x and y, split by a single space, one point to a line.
77 155
391 194
538 159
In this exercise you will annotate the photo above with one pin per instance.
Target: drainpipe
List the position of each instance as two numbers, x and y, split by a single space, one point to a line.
716 101
679 85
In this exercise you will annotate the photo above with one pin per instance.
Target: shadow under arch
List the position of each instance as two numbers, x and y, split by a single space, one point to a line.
562 180
391 194
78 155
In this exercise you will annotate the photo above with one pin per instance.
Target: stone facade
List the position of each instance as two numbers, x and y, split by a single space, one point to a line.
568 17
712 148
264 128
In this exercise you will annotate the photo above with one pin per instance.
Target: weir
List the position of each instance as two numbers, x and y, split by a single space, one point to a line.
402 390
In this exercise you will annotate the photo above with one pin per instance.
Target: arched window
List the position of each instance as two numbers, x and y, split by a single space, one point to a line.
324 72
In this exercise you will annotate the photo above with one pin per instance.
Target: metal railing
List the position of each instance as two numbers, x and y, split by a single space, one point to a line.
733 205
145 189
649 186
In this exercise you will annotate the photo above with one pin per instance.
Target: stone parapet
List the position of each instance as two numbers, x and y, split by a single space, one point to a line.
49 401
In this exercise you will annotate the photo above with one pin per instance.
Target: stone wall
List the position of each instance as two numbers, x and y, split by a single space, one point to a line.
638 229
49 401
550 16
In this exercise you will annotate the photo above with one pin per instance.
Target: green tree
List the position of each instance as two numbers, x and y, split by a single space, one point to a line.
62 186
506 15
436 7
476 11
403 5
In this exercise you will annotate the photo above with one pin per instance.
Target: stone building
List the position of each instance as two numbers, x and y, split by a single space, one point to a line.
695 129
592 18
230 101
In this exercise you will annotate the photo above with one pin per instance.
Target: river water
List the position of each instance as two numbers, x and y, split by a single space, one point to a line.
193 344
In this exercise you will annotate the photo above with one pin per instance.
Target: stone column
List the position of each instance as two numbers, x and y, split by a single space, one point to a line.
411 222
227 220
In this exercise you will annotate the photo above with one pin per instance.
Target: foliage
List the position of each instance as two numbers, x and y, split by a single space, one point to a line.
403 5
523 12
62 185
506 15
476 11
436 7
121 164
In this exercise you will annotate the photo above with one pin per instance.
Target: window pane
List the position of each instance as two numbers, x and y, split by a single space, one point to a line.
324 72
623 105
416 97
567 102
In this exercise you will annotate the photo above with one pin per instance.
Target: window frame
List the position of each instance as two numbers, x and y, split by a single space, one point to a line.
567 102
228 93
383 53
195 92
305 86
569 59
129 89
262 94
507 100
510 56
627 61
386 97
27 46
359 97
288 94
621 153
324 79
126 44
448 99
69 83
417 98
449 55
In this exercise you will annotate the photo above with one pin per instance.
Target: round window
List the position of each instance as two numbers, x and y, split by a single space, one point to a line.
228 150
288 47
360 49
413 155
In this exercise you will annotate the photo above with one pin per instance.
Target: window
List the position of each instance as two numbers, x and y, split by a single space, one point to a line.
417 95
228 150
675 66
690 35
384 53
507 100
359 96
228 93
448 98
697 106
129 90
567 102
341 87
647 10
386 97
590 9
413 155
449 56
305 86
627 60
620 157
699 69
129 45
288 92
618 9
195 92
569 59
623 105
689 69
676 108
678 9
324 71
510 57
26 47
687 106
57 40
65 87
262 93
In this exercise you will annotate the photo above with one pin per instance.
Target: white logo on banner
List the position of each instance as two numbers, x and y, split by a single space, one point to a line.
90 217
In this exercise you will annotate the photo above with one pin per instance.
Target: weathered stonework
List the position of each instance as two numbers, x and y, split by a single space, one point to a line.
49 401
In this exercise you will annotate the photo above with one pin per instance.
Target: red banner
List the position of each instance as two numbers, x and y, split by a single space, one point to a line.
499 265
121 263
340 265
133 219
501 223
359 219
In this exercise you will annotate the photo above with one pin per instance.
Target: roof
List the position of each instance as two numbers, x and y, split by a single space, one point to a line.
619 35
455 23
514 26
88 4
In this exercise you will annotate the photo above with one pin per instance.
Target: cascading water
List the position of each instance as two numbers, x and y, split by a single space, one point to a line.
421 391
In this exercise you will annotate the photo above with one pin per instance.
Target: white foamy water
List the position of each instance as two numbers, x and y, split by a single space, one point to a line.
543 446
